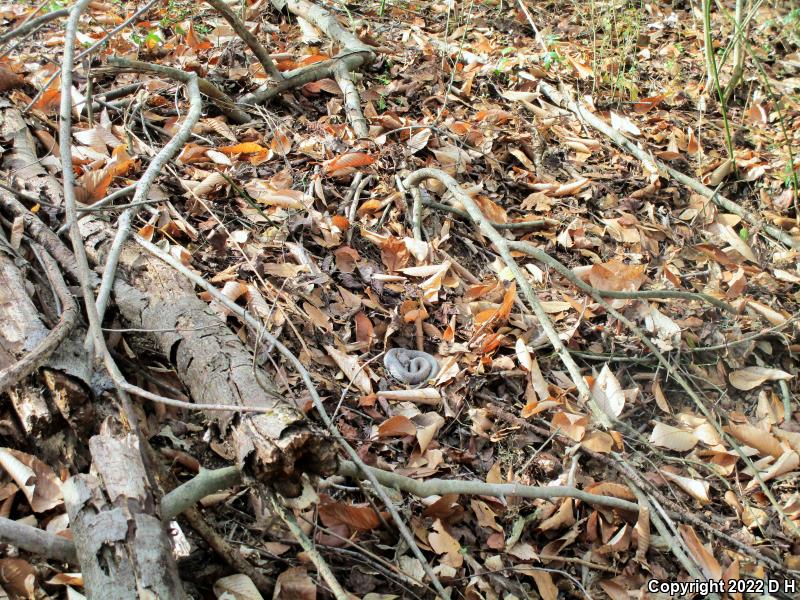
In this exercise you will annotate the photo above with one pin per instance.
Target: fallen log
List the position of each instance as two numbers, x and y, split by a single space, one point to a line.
121 546
216 367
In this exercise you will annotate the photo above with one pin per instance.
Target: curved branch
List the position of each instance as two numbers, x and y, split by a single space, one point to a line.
66 322
587 117
485 227
35 540
33 24
143 188
545 258
217 96
247 36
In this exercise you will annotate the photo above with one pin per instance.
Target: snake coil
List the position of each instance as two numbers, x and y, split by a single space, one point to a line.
411 367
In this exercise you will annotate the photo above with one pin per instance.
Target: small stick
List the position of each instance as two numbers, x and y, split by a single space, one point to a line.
217 96
33 24
323 568
247 36
89 50
690 182
69 317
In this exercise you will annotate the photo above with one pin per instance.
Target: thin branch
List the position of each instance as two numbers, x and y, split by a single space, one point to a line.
441 487
322 566
217 96
477 217
206 482
89 50
69 317
153 170
352 101
255 324
247 36
586 116
294 79
545 258
33 24
37 541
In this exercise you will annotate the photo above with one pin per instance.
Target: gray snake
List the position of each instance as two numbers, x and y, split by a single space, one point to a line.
411 367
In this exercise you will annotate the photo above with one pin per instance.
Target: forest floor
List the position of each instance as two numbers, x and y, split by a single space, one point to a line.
693 415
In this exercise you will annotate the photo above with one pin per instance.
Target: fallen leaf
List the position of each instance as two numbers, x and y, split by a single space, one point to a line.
397 426
666 436
608 393
752 377
351 368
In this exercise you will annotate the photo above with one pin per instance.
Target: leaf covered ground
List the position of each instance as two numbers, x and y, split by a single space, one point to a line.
295 217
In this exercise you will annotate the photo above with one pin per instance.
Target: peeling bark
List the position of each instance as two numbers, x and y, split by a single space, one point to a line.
215 366
121 547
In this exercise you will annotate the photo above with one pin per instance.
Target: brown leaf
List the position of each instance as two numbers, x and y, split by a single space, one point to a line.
702 555
281 143
294 584
361 517
646 104
243 148
763 441
752 377
351 368
18 578
9 80
351 160
397 426
36 479
394 253
364 329
443 543
544 581
666 436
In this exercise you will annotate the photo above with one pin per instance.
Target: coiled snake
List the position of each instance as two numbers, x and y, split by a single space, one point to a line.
411 367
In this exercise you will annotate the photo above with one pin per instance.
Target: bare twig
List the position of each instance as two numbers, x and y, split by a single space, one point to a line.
66 322
352 101
322 566
441 487
217 96
153 170
502 246
37 541
254 323
588 117
91 49
542 256
247 36
33 24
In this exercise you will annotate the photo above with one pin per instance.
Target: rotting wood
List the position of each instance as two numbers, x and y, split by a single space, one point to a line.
214 365
122 547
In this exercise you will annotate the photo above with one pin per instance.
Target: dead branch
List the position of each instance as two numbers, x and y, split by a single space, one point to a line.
252 322
247 36
143 9
441 487
153 170
37 541
322 566
32 24
226 105
214 365
122 548
585 395
353 54
545 258
12 375
596 122
227 551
